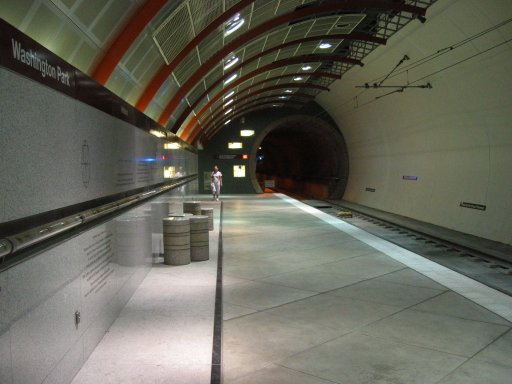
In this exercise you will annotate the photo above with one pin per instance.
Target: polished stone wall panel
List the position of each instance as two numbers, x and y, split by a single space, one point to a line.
57 151
5 358
43 336
35 280
95 273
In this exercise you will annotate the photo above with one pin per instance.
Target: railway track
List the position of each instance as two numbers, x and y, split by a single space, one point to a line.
488 269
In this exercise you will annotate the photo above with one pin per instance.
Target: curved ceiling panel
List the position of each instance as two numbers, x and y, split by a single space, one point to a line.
177 59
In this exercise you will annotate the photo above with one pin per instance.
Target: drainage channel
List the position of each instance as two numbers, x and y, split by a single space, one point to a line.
486 269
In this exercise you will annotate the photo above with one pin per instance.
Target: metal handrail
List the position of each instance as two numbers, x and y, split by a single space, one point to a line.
25 239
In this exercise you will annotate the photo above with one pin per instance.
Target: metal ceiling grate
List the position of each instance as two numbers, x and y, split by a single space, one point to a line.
174 33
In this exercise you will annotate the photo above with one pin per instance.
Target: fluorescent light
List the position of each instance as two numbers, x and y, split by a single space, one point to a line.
227 122
246 132
228 111
157 133
229 95
283 97
306 67
233 24
172 146
235 145
298 78
288 91
325 45
231 78
228 102
230 62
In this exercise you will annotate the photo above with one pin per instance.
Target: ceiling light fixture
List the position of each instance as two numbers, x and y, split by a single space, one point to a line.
230 62
288 91
233 24
246 132
283 97
306 67
228 111
227 122
229 95
157 133
231 78
298 78
325 45
228 102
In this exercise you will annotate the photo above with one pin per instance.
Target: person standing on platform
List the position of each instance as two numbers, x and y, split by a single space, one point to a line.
216 182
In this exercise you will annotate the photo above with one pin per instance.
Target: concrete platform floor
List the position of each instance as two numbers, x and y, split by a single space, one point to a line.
308 299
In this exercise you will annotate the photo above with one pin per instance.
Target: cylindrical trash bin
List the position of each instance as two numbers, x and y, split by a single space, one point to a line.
199 238
193 207
208 212
176 240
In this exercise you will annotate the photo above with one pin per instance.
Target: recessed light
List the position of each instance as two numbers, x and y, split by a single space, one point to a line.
235 145
306 67
298 78
288 91
283 97
229 95
325 45
157 133
230 62
233 24
246 132
231 78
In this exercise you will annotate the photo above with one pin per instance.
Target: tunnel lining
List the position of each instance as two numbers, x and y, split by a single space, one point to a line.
316 124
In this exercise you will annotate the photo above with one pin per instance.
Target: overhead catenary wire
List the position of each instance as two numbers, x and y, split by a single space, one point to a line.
429 58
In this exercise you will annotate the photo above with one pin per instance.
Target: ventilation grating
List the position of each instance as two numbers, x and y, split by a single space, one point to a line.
174 33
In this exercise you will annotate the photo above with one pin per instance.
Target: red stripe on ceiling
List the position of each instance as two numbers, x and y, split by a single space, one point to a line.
125 39
214 129
274 65
195 119
219 112
269 25
270 99
164 72
352 36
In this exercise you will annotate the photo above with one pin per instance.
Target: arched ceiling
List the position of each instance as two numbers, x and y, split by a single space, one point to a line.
182 62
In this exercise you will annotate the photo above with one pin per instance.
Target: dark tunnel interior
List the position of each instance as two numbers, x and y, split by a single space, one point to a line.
307 161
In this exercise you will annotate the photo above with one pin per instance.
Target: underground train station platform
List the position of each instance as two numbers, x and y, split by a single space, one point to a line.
307 298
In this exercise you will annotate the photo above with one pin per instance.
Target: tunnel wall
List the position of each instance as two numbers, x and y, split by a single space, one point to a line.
218 145
456 138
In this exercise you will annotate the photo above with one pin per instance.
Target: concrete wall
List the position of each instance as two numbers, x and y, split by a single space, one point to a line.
456 138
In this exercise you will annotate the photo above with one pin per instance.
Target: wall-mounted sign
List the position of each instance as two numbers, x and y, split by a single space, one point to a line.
238 170
410 177
29 58
235 145
232 157
479 207
368 189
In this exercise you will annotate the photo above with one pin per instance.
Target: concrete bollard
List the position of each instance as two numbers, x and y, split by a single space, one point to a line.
199 238
193 207
176 240
208 212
